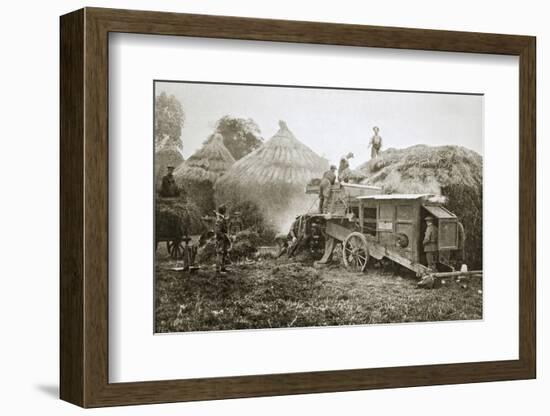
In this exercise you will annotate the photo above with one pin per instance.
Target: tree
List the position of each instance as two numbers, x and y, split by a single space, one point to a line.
169 119
240 136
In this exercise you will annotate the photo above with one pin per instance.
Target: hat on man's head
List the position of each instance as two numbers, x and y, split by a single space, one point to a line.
222 209
350 155
429 218
333 167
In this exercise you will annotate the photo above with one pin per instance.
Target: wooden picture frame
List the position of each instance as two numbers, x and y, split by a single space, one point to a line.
84 207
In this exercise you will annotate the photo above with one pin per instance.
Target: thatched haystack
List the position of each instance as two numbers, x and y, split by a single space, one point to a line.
198 174
274 177
452 171
165 156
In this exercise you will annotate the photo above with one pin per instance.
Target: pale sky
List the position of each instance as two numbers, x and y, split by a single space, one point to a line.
333 122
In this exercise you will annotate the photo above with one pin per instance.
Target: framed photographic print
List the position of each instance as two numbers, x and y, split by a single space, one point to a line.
256 207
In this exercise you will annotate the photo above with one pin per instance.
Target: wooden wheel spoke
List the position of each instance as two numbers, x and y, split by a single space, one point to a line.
355 252
175 249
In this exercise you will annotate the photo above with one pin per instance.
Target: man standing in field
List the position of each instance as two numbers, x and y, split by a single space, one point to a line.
375 143
222 239
329 177
430 243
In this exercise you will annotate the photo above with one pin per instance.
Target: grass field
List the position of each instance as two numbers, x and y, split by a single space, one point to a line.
284 293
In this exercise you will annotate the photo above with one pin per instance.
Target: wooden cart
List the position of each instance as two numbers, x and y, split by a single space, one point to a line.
173 229
175 245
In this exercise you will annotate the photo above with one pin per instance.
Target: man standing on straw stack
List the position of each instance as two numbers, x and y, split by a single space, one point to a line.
329 177
375 143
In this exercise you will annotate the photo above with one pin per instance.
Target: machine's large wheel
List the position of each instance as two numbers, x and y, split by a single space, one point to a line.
175 248
355 252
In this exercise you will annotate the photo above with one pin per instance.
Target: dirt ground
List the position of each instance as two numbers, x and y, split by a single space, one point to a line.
281 293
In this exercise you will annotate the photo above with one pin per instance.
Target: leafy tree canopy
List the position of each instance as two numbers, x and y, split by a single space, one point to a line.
169 119
240 136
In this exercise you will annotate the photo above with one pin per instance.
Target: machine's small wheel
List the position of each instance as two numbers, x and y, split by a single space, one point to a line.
355 252
175 248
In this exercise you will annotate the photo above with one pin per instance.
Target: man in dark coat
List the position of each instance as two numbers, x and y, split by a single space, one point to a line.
430 243
169 189
298 236
222 239
329 177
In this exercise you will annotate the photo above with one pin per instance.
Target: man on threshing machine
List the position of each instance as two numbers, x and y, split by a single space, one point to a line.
288 243
169 188
298 235
375 143
329 177
223 242
305 232
430 243
344 170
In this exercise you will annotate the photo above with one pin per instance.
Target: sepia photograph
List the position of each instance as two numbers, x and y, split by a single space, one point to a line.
282 206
